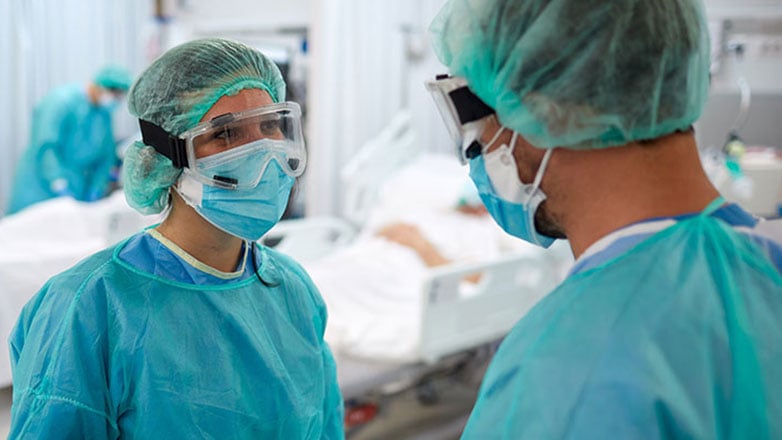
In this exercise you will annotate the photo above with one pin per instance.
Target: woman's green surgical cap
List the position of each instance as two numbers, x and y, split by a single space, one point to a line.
580 73
175 92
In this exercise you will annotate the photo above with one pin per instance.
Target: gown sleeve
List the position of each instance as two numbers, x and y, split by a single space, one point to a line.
60 367
50 125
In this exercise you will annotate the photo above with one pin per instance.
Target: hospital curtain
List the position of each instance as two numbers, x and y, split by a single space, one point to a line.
363 71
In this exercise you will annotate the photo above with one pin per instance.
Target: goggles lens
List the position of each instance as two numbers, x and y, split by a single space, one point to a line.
233 150
461 111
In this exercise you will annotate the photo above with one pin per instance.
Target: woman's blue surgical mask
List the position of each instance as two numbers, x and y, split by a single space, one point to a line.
244 213
510 202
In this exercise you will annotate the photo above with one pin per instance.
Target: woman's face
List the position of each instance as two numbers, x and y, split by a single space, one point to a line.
246 99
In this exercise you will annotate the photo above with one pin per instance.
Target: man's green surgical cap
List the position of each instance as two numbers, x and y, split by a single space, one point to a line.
580 73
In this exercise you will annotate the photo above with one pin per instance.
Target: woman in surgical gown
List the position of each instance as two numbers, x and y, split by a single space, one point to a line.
188 329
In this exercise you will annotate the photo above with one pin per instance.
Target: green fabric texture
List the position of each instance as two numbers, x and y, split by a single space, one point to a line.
175 92
147 175
108 351
114 77
678 338
580 74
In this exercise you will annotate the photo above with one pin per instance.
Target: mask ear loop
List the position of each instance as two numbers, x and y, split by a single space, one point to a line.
513 139
541 170
494 138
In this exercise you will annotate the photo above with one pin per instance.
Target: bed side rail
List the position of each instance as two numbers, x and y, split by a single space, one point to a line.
458 314
309 238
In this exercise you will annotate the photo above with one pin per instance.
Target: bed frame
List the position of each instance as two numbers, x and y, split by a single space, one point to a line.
456 316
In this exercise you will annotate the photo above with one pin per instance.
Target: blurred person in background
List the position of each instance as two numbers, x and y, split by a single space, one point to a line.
72 149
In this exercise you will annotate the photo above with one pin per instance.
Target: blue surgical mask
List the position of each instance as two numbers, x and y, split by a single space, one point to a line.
244 213
108 102
510 202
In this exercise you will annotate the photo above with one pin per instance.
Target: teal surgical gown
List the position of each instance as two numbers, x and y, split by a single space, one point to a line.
71 151
134 343
676 335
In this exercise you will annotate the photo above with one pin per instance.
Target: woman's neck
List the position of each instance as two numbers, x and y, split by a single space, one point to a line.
199 238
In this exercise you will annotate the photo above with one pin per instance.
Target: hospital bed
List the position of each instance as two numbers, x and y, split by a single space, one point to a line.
394 323
441 316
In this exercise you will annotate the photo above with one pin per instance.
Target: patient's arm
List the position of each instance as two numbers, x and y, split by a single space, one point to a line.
477 210
408 235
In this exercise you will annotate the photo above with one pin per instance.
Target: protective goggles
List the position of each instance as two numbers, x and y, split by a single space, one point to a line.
462 113
233 150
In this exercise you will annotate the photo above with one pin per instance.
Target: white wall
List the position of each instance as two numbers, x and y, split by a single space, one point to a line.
360 77
757 25
252 15
743 7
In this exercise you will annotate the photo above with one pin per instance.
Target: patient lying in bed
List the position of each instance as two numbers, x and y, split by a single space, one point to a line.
373 286
409 235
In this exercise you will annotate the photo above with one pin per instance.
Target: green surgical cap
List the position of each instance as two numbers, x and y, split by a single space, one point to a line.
113 77
175 92
580 73
182 84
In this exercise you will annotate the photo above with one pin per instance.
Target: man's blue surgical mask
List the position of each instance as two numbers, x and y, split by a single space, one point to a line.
510 202
244 213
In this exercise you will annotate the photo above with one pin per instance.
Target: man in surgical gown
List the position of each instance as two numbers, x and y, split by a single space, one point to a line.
670 323
72 150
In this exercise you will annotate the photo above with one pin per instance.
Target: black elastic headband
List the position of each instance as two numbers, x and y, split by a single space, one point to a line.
170 146
470 107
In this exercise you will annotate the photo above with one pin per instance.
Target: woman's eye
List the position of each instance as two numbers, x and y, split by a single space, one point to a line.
225 134
270 128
